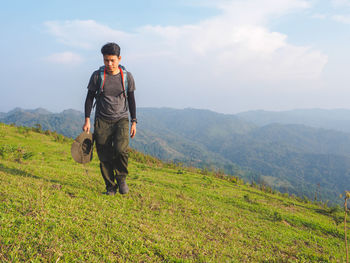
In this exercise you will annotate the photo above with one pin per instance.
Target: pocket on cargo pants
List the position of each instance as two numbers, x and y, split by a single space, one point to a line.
103 135
120 147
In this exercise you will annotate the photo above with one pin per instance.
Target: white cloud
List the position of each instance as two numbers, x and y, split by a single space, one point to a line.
342 18
257 11
319 16
84 34
254 8
65 58
238 41
340 3
225 53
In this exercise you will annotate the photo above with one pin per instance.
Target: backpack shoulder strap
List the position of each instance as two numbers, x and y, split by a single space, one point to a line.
124 75
102 77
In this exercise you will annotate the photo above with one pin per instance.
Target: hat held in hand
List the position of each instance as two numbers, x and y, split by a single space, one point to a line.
82 148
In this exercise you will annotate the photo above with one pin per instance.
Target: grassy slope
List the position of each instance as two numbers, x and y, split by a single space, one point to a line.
53 210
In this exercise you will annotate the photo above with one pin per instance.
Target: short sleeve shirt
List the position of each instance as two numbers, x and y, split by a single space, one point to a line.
111 104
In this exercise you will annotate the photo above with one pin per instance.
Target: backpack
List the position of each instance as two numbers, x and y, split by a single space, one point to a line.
102 77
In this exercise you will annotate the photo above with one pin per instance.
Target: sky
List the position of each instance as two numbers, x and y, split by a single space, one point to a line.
228 56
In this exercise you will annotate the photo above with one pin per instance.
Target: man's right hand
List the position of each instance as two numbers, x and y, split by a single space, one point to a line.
86 127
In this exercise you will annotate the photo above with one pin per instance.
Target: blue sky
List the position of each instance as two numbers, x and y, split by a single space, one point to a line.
225 55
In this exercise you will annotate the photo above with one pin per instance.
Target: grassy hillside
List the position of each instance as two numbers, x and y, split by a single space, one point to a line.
291 158
53 210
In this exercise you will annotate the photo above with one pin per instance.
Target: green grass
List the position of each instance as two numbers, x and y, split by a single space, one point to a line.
53 210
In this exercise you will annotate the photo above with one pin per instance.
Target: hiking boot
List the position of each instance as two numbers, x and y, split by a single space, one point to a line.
110 192
123 187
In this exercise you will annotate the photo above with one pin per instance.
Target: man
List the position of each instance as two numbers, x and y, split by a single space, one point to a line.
113 88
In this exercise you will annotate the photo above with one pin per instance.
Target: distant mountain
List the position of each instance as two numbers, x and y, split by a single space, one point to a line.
294 158
178 135
68 122
191 124
35 111
337 119
40 111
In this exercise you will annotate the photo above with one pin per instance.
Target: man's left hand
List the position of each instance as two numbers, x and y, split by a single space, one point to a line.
133 130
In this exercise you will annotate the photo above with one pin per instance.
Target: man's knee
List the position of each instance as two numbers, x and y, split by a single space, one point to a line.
121 153
104 152
121 145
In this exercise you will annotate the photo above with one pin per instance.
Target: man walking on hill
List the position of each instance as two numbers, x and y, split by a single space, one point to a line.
113 89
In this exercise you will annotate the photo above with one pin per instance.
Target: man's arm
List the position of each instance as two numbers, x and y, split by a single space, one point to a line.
88 107
132 110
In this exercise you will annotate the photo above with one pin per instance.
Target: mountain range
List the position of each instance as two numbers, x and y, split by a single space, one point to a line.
336 119
68 122
303 152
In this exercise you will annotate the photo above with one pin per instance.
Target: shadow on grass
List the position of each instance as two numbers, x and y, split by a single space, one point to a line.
15 171
18 172
337 218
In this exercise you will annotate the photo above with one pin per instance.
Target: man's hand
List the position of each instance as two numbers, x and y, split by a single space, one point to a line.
133 130
86 127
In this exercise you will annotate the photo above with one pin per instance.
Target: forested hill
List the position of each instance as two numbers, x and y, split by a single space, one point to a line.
293 158
68 122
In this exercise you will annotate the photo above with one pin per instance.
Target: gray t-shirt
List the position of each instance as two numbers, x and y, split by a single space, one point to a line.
111 104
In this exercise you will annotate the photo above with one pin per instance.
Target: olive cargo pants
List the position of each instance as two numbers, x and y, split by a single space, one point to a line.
112 141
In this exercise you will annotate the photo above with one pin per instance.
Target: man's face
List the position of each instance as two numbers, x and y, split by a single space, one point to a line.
111 62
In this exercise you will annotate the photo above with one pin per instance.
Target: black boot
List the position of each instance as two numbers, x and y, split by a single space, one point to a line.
123 187
111 190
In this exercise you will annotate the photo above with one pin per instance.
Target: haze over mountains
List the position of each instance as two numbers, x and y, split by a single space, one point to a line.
299 151
338 119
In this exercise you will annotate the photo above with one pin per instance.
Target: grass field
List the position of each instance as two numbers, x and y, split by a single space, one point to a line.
54 210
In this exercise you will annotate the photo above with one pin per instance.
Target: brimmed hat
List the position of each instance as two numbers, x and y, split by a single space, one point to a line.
82 148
